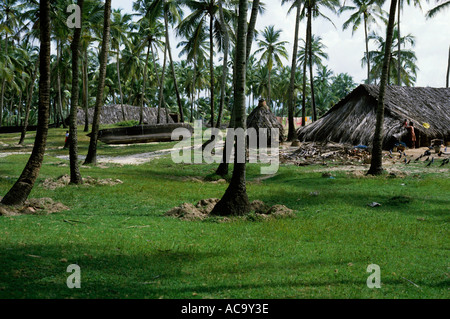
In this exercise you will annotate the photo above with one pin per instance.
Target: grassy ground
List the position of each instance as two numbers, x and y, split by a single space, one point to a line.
126 248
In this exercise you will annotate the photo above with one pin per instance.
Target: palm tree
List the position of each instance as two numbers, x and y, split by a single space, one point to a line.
235 200
408 70
272 50
201 11
438 9
366 12
20 191
91 157
119 35
399 55
291 100
75 175
376 165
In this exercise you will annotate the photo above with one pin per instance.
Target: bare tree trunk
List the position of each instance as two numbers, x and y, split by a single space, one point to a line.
291 101
161 86
144 86
120 85
28 105
2 97
86 92
376 167
75 175
235 200
399 60
226 43
211 65
20 191
305 63
91 157
311 77
367 49
60 109
448 69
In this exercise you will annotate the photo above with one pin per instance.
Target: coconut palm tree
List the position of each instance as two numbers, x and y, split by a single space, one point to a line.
91 157
235 200
365 12
376 164
119 35
408 70
272 50
291 100
20 191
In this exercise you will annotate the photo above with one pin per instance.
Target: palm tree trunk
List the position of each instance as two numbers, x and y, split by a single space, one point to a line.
20 191
251 26
291 101
311 77
86 92
367 49
211 64
120 86
28 105
60 111
448 69
177 91
144 85
2 97
376 167
226 43
305 62
235 200
75 175
161 86
91 157
399 63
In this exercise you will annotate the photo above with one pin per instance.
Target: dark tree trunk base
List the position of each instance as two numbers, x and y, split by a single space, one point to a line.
234 202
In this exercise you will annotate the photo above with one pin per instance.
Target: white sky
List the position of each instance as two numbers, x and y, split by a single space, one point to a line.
345 51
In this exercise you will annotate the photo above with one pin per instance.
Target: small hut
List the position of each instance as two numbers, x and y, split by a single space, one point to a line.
353 119
262 117
112 114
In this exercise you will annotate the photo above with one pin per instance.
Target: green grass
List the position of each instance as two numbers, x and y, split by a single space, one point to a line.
126 248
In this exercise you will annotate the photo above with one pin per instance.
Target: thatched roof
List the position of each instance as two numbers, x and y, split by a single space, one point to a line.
353 119
112 114
262 117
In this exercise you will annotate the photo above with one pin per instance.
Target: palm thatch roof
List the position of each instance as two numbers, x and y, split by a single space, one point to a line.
262 117
112 114
353 119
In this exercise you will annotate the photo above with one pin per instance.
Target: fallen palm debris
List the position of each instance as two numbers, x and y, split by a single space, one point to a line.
319 153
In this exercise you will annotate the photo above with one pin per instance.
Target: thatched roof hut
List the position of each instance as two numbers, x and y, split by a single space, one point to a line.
262 117
353 119
112 114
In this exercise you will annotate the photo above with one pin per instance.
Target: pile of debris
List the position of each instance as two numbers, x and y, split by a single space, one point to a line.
33 206
319 153
63 181
203 208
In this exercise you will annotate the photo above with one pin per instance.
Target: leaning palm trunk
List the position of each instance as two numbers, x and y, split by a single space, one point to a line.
60 108
75 175
399 62
28 105
367 49
291 101
211 65
2 97
161 86
86 92
376 167
235 200
20 191
91 157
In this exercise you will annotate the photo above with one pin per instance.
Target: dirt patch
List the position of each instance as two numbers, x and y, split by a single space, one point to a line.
33 206
63 181
202 210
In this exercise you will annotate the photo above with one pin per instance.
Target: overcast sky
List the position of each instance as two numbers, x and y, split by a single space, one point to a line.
345 51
